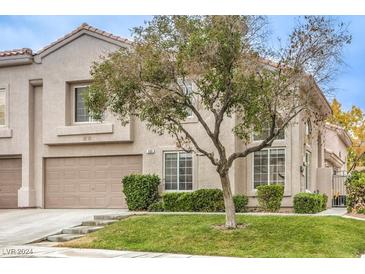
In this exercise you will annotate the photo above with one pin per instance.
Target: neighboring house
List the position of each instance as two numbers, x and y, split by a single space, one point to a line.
337 143
53 155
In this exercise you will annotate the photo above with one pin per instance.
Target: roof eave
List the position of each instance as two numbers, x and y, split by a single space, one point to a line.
324 106
76 34
16 60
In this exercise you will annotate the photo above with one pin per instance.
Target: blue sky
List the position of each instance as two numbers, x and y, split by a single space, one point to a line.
37 31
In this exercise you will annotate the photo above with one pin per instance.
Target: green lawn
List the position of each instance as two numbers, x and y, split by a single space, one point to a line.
265 236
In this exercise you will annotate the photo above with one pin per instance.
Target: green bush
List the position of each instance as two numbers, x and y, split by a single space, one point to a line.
240 203
202 200
140 190
325 200
178 201
208 200
156 206
355 187
270 197
307 203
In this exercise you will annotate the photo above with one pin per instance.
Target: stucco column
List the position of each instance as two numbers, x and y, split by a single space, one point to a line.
26 194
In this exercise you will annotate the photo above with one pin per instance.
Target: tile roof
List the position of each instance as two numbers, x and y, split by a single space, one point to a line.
15 52
87 27
84 26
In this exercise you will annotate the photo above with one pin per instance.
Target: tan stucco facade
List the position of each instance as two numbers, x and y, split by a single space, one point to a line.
40 126
337 144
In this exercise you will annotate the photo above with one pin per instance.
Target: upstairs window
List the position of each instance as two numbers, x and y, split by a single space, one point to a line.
187 88
2 106
81 113
264 133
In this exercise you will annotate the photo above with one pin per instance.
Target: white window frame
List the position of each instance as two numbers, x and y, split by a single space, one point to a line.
268 171
308 169
276 139
178 172
192 88
6 109
73 111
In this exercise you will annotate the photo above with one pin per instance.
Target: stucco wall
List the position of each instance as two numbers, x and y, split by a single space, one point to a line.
334 144
41 121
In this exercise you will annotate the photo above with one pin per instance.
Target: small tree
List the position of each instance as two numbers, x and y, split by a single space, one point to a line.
235 77
353 121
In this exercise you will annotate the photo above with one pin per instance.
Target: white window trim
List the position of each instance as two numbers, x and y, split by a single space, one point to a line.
6 118
260 140
308 183
193 86
73 106
164 169
268 174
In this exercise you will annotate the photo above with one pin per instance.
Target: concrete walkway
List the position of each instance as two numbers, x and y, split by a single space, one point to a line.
34 251
335 211
22 226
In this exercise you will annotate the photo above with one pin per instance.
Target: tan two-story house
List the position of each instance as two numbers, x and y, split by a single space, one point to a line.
53 155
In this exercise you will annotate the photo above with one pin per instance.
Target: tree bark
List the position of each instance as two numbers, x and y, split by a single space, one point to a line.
228 202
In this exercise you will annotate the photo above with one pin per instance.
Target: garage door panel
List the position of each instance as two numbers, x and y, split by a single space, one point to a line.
10 181
100 174
90 182
85 174
101 188
101 161
8 201
85 188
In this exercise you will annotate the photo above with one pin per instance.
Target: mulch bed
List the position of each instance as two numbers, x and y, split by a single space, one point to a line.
223 227
362 216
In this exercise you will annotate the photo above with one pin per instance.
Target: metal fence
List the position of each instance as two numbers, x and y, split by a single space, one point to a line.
339 189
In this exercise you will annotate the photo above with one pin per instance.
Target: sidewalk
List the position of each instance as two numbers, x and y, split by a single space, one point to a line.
33 251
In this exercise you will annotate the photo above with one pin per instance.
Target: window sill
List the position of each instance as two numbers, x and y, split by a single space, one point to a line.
190 120
253 193
89 128
6 132
177 190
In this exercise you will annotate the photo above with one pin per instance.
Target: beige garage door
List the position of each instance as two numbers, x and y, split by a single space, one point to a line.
88 182
10 182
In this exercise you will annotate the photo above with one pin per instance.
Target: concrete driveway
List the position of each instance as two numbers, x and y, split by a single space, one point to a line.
21 226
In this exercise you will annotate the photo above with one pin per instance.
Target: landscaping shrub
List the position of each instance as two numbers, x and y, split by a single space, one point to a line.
208 200
309 203
355 187
202 200
240 203
140 190
325 200
178 201
156 206
270 197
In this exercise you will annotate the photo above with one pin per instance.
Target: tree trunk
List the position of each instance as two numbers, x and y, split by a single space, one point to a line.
228 202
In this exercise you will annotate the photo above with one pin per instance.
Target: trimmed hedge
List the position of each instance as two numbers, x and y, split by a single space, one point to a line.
177 201
325 200
140 190
355 188
208 200
270 197
309 203
240 203
202 200
156 207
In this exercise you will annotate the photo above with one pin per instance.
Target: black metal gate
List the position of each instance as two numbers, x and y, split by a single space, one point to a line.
339 189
